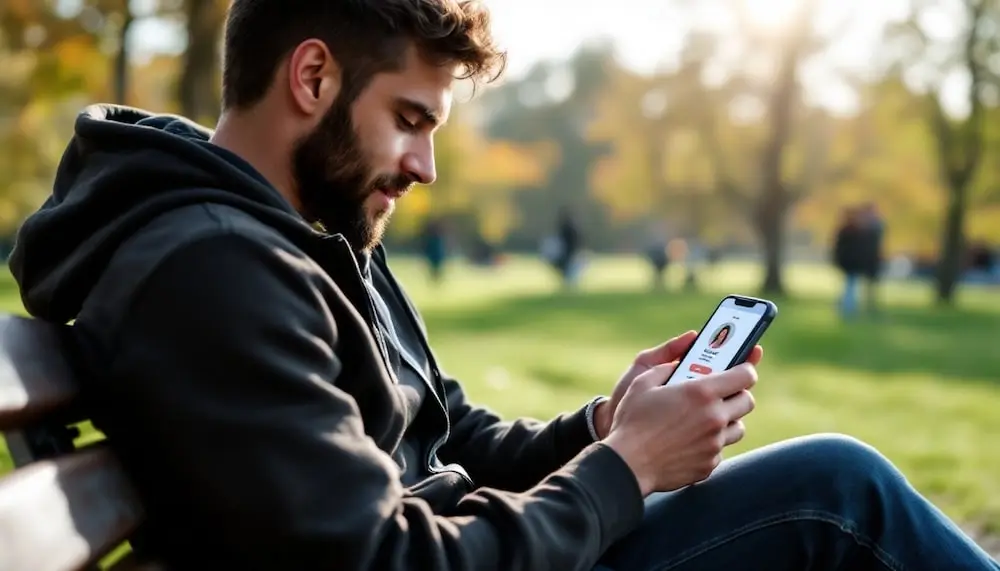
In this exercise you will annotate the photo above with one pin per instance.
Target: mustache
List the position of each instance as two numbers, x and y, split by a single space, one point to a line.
399 183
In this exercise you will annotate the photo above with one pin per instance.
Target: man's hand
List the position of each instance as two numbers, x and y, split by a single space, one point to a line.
664 354
673 436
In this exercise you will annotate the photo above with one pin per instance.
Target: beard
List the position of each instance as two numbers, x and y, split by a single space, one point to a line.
335 179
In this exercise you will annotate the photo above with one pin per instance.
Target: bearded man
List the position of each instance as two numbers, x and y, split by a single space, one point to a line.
270 389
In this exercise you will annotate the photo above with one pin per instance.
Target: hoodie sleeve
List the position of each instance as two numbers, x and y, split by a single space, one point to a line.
510 455
227 364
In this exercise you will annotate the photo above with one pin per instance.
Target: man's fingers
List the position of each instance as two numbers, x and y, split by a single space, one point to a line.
669 351
756 355
738 405
733 433
654 377
728 383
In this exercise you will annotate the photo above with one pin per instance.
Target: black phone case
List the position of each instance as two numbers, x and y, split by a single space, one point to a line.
758 332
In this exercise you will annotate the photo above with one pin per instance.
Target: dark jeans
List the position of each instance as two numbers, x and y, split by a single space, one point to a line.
814 503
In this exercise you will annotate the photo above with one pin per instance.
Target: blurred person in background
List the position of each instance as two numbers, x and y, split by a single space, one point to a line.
872 227
849 256
657 255
568 260
435 248
983 265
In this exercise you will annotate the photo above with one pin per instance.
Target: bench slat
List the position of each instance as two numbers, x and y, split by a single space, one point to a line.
36 379
63 514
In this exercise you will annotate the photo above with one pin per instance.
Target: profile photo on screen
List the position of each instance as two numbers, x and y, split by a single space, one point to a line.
721 336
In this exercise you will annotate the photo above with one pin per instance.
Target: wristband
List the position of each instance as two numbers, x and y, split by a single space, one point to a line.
591 407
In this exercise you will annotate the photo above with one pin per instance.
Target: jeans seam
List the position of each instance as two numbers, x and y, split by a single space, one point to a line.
799 515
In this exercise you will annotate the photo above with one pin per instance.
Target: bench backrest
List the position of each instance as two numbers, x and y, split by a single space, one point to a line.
62 508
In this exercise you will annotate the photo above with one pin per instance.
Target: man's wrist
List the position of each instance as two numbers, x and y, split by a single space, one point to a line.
635 459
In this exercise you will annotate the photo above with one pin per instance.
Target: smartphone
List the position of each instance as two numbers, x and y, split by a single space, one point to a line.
727 338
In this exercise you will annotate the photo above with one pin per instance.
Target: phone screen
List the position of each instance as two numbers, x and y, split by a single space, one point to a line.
720 341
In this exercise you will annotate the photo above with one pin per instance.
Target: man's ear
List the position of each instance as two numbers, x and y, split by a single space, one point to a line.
314 77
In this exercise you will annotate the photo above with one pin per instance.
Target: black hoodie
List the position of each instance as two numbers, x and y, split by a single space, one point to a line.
230 355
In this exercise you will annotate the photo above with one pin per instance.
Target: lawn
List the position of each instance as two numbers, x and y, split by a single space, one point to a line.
920 383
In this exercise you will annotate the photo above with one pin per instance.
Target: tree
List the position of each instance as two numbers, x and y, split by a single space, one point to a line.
900 175
657 174
930 61
555 102
117 19
740 91
198 88
47 57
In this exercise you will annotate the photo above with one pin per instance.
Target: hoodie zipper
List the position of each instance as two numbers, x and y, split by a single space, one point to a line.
371 312
439 392
439 382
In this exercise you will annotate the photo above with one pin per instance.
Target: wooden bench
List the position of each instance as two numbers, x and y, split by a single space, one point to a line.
64 507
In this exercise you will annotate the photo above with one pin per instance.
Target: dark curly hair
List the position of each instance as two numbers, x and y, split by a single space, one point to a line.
366 36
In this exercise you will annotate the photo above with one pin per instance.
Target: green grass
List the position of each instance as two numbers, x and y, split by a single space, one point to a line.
920 384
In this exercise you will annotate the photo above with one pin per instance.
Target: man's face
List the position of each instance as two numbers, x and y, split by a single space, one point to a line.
366 153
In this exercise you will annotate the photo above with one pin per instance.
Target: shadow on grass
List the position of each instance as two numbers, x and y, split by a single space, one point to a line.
952 344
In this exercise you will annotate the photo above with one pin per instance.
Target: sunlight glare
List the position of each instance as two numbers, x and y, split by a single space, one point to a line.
770 14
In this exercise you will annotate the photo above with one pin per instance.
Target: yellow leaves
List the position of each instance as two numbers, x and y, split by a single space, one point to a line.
494 171
21 9
623 181
418 201
476 176
153 85
81 65
16 202
16 71
411 210
77 52
10 214
497 220
984 224
503 163
687 161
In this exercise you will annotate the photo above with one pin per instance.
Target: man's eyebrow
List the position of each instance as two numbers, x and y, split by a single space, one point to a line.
427 114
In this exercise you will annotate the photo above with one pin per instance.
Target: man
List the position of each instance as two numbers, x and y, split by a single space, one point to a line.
270 388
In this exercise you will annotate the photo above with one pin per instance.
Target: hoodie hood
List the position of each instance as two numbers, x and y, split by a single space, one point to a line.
123 168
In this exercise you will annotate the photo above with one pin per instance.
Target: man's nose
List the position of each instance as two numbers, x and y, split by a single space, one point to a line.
418 163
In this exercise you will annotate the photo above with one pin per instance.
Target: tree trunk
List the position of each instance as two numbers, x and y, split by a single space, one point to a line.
965 141
952 256
197 88
771 229
773 205
121 73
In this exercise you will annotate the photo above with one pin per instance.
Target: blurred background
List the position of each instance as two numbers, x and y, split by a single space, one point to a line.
640 159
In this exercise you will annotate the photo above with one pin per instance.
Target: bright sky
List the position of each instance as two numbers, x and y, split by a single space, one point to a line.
649 32
644 30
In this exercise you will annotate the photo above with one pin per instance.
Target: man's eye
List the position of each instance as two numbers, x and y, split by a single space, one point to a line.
405 124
